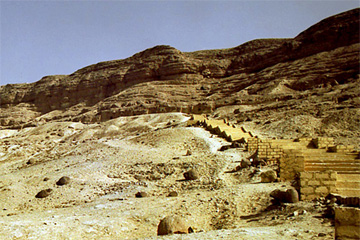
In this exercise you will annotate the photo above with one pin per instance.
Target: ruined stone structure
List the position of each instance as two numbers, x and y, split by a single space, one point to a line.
319 166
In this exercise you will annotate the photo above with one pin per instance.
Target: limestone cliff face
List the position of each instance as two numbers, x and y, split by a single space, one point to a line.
163 79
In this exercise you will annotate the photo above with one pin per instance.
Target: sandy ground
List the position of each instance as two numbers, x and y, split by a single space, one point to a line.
109 163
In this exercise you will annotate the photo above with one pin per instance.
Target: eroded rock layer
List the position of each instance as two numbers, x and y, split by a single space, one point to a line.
316 74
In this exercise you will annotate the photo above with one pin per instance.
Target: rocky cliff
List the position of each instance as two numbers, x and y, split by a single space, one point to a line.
316 73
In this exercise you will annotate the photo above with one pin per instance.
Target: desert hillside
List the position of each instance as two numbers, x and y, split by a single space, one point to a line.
110 150
309 80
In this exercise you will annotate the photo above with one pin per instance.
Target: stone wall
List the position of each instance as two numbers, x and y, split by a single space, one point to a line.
323 142
317 184
252 145
291 164
266 148
342 148
347 223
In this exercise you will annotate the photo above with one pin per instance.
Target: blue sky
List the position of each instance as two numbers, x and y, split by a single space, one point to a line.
40 38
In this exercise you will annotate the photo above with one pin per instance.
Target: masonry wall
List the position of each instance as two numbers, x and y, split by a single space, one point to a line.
323 142
317 184
347 223
252 145
291 164
342 148
266 148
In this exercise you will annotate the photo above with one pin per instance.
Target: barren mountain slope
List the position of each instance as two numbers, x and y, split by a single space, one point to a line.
315 74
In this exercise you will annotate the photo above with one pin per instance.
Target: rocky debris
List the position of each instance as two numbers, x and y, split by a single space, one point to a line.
298 213
172 225
141 194
268 176
44 193
285 196
188 153
343 200
30 161
173 194
245 163
192 174
63 181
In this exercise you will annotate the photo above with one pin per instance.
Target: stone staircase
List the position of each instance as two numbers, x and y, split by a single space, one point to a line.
221 128
302 155
347 166
321 160
348 184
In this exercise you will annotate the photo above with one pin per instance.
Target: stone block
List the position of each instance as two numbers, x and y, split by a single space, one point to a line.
347 216
328 183
347 232
303 183
322 190
314 183
332 189
307 190
333 175
308 197
306 175
322 175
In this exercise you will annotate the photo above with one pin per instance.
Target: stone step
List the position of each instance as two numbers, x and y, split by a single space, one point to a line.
332 163
348 192
235 137
331 158
333 168
349 172
347 184
348 177
328 154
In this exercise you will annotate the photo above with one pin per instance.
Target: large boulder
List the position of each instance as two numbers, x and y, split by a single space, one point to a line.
141 194
285 196
44 193
63 181
191 175
173 225
268 176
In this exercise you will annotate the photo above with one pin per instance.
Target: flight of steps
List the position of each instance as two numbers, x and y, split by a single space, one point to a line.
222 129
347 166
348 184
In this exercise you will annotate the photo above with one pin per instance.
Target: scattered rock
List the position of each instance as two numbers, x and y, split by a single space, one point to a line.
191 175
224 148
172 225
173 194
292 196
46 179
268 176
63 181
245 163
141 194
188 153
285 196
44 193
30 161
